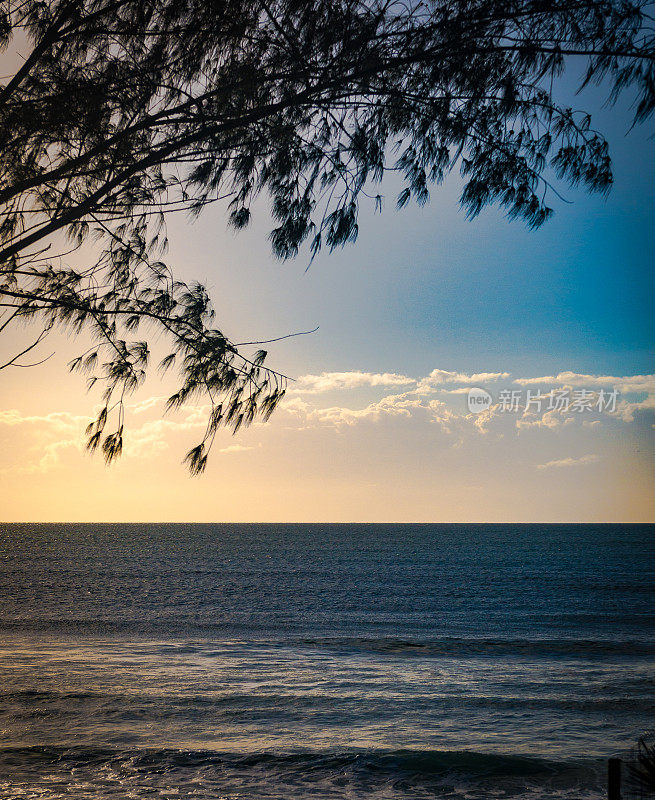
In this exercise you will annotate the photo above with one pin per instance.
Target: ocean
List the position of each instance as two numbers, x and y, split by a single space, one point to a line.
322 661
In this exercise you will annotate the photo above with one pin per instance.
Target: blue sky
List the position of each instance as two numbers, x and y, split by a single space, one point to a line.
426 285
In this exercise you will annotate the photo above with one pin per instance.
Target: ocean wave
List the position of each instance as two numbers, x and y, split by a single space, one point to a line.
206 635
486 647
22 703
392 762
96 774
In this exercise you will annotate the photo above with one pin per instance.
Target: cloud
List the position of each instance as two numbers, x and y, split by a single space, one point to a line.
438 377
569 462
625 384
57 420
459 390
151 438
331 381
405 405
453 382
48 460
235 448
145 405
626 411
37 442
43 439
47 435
400 405
551 419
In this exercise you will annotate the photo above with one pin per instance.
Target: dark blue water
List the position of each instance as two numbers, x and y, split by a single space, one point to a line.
326 661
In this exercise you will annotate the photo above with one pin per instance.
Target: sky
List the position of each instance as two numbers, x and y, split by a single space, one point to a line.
376 424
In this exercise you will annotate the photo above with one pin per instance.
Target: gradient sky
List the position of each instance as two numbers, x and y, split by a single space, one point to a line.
376 427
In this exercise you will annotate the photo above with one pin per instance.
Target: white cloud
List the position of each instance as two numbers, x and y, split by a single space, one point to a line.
405 405
57 420
150 438
548 419
458 390
36 442
235 448
627 383
626 410
145 405
391 406
48 460
569 462
438 377
48 435
330 381
455 384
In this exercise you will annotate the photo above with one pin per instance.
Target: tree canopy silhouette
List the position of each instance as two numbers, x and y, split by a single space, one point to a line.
123 111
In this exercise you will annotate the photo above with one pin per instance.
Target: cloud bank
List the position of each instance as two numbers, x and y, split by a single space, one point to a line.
430 406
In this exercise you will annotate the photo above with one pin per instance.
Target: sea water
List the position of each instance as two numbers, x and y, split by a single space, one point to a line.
322 661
